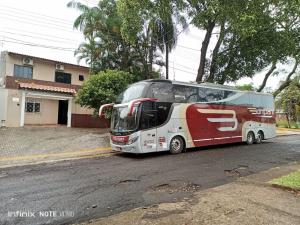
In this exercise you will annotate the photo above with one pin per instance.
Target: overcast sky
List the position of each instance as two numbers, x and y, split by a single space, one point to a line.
44 28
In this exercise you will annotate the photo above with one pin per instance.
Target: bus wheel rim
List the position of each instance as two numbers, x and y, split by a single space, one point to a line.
250 137
259 137
176 145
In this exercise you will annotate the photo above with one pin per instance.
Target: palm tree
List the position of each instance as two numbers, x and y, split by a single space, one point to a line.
166 36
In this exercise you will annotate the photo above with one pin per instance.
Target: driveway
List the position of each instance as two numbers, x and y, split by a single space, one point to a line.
17 143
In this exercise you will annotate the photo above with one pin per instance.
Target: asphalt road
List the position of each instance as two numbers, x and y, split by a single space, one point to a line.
85 189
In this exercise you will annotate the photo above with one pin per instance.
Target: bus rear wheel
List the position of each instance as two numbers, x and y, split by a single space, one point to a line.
176 145
260 137
250 138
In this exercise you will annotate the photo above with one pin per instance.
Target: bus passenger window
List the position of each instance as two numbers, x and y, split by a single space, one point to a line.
185 94
162 91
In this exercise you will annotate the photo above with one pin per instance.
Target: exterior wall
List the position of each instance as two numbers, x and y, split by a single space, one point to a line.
43 74
89 121
45 69
3 106
14 99
77 109
2 68
48 113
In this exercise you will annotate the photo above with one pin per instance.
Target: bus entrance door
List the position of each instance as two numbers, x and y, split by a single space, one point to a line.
148 127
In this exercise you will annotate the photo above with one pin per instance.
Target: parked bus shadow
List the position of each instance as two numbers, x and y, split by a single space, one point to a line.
189 150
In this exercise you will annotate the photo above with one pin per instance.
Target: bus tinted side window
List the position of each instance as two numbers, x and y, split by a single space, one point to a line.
210 94
162 91
185 94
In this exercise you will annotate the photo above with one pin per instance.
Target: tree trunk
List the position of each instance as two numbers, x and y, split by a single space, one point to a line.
215 54
288 120
287 80
204 48
268 74
151 58
167 62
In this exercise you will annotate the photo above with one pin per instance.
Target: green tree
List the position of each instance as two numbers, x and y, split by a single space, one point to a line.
289 99
104 47
249 37
157 20
246 87
102 88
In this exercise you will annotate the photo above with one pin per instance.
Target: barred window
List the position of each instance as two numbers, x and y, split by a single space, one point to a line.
32 107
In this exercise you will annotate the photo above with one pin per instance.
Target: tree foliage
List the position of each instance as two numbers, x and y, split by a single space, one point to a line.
156 20
246 87
102 88
250 36
104 47
289 98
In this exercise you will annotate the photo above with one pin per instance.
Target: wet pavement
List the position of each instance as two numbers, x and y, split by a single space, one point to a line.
91 188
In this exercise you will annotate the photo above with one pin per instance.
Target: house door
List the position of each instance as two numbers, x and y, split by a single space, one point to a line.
62 112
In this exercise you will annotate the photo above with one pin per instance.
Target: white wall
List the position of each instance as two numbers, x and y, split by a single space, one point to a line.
3 106
2 68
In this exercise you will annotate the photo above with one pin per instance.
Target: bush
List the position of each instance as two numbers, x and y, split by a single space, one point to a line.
282 123
103 88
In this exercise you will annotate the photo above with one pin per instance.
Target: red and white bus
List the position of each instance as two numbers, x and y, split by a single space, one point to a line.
164 115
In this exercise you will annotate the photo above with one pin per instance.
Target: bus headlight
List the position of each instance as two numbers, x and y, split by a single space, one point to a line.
132 140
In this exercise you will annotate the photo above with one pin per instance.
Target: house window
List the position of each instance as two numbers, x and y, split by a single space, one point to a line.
62 77
81 78
23 71
32 107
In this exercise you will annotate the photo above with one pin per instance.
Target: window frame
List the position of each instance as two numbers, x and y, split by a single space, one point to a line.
27 76
69 81
34 103
81 77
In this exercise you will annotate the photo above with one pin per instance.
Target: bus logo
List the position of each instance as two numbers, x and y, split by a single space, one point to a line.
231 119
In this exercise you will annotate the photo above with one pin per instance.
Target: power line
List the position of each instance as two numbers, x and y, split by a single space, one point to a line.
35 13
39 34
194 49
186 67
194 74
32 18
35 37
17 41
37 23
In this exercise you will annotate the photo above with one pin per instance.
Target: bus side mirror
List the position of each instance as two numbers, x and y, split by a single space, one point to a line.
103 108
137 102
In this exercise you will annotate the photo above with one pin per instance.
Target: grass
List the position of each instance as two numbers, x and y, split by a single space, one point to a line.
284 124
291 181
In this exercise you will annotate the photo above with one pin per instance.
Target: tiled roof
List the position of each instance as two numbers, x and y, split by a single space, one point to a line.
47 88
14 83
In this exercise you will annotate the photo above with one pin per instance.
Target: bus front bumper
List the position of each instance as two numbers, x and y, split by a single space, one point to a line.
128 148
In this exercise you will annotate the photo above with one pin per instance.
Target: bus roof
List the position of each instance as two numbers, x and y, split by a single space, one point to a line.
205 84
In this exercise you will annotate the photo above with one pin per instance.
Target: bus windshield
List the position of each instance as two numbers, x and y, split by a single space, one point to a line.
132 92
121 122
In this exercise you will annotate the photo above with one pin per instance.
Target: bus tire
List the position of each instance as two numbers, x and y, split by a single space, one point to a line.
176 145
250 138
260 137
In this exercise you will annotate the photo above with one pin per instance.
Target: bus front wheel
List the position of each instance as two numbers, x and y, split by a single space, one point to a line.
176 145
250 138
